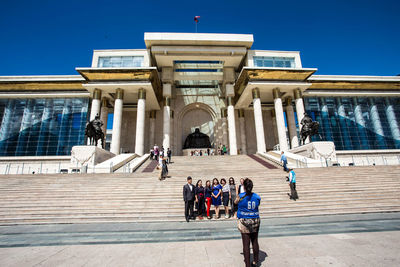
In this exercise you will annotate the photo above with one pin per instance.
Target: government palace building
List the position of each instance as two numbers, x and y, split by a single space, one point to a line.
251 101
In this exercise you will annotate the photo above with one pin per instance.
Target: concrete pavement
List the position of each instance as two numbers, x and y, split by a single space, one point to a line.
337 240
351 249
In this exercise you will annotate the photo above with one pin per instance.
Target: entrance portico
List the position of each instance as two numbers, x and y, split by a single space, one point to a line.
265 89
127 90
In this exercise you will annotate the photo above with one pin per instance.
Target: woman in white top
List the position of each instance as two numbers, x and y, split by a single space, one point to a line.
241 186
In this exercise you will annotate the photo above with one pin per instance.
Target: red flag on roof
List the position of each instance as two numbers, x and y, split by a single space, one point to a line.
196 18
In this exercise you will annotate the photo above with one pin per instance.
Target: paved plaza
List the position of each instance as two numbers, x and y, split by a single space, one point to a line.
337 240
352 249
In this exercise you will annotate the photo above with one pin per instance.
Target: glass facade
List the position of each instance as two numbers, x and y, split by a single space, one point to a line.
123 61
42 127
278 62
357 123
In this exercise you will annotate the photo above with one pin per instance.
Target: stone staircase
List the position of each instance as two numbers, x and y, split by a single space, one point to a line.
141 197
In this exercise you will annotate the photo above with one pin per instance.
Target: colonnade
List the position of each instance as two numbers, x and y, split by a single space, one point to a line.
279 121
228 120
100 106
102 110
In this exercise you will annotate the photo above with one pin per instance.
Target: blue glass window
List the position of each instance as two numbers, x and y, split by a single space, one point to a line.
123 61
278 62
41 127
357 123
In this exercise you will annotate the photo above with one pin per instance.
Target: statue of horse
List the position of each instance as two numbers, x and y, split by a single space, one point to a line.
93 135
309 130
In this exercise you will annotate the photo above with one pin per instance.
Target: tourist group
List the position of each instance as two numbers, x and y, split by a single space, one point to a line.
243 202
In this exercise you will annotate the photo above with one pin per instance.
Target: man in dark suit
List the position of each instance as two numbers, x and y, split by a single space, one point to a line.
188 197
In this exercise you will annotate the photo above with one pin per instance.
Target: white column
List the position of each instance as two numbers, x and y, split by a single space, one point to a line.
172 136
394 127
280 120
167 123
116 130
276 139
299 109
152 127
96 101
104 118
232 127
224 127
141 107
294 141
104 114
242 132
258 121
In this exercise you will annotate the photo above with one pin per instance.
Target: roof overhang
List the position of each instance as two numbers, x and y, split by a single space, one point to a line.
131 90
42 83
355 82
250 74
267 79
118 74
265 88
128 79
197 39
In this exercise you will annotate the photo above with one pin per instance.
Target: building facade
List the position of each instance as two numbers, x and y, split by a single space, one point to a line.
249 100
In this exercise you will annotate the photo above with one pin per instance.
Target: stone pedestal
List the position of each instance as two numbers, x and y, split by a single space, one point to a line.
88 156
317 150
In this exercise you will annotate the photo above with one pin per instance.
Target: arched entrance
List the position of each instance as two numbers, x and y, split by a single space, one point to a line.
195 115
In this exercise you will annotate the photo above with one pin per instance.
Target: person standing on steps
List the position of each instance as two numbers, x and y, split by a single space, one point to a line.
169 155
156 152
292 184
188 197
207 194
164 168
241 186
284 160
226 193
249 221
216 196
200 200
234 191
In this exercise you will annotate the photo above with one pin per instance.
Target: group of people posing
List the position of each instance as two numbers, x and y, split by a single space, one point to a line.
215 193
243 202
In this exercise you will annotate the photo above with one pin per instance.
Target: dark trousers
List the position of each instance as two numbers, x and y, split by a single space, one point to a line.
200 206
293 192
246 238
284 166
169 159
189 209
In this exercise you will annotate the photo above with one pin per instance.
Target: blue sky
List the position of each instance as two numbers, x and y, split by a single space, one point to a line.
337 37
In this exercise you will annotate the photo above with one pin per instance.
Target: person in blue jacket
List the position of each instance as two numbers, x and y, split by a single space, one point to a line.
284 161
249 221
292 184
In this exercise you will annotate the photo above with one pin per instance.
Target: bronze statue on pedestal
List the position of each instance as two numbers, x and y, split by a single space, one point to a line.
308 129
94 132
197 140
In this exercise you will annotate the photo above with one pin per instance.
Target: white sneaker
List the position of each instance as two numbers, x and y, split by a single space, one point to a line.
226 216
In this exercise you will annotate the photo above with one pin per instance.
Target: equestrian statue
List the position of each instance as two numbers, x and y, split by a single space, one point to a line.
308 129
94 132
